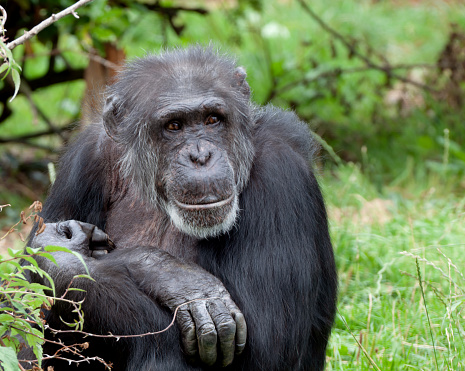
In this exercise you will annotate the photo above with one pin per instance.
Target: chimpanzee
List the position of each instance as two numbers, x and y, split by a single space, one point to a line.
205 196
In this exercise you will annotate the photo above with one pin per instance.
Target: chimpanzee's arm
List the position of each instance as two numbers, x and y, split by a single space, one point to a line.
124 276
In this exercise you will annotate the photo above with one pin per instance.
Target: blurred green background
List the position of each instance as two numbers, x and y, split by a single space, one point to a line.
381 83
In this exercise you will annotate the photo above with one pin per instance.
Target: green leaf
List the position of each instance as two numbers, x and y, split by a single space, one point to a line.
15 253
31 260
35 340
53 248
8 359
37 287
5 67
32 251
76 289
103 34
38 351
455 305
15 264
84 276
17 82
7 52
6 318
49 257
3 329
50 281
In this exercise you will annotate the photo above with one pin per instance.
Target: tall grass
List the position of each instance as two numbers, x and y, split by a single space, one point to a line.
400 260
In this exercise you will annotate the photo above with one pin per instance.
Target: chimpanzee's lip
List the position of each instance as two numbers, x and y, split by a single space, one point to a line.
204 206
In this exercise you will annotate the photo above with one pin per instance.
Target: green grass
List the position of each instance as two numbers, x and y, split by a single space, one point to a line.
378 242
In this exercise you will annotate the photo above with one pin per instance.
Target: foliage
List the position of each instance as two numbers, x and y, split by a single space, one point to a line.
22 303
9 66
21 307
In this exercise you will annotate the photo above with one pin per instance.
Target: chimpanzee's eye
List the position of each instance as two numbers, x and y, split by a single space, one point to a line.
173 126
212 120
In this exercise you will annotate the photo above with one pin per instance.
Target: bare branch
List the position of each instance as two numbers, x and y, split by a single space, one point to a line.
66 75
104 62
386 68
35 145
2 206
23 138
52 19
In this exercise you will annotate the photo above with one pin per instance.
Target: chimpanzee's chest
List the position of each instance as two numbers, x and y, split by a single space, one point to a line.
131 223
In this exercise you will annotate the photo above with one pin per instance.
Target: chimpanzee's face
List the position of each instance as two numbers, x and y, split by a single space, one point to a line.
186 138
196 178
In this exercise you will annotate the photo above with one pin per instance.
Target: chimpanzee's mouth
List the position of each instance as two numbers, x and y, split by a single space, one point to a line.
205 205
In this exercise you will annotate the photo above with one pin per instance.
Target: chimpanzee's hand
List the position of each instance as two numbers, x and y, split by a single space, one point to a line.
203 323
206 325
84 238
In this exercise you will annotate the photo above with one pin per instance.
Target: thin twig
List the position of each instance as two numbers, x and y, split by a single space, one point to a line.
73 349
104 62
35 145
110 335
37 134
52 19
2 206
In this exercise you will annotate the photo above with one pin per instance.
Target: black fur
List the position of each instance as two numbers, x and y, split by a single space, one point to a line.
277 262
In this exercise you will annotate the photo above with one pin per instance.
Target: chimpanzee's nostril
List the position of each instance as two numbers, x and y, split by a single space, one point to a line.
200 159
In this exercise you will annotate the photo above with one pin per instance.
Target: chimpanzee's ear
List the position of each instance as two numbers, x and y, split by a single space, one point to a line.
241 82
110 111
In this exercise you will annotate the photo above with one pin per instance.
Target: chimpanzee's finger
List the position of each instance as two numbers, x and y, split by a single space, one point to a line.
48 236
100 243
206 332
87 228
80 233
225 327
241 332
241 325
99 236
188 335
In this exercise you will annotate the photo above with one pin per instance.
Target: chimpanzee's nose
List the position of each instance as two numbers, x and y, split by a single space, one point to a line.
201 153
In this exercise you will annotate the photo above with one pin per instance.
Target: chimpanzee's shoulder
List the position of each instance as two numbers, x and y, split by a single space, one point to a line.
275 125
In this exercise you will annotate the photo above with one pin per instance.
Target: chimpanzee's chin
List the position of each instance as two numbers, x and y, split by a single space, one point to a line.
205 220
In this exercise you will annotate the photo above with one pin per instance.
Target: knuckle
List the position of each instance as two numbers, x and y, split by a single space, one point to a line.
207 330
187 326
207 339
227 326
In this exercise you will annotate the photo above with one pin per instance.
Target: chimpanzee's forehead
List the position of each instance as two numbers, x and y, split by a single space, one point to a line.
188 92
161 90
170 105
189 81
